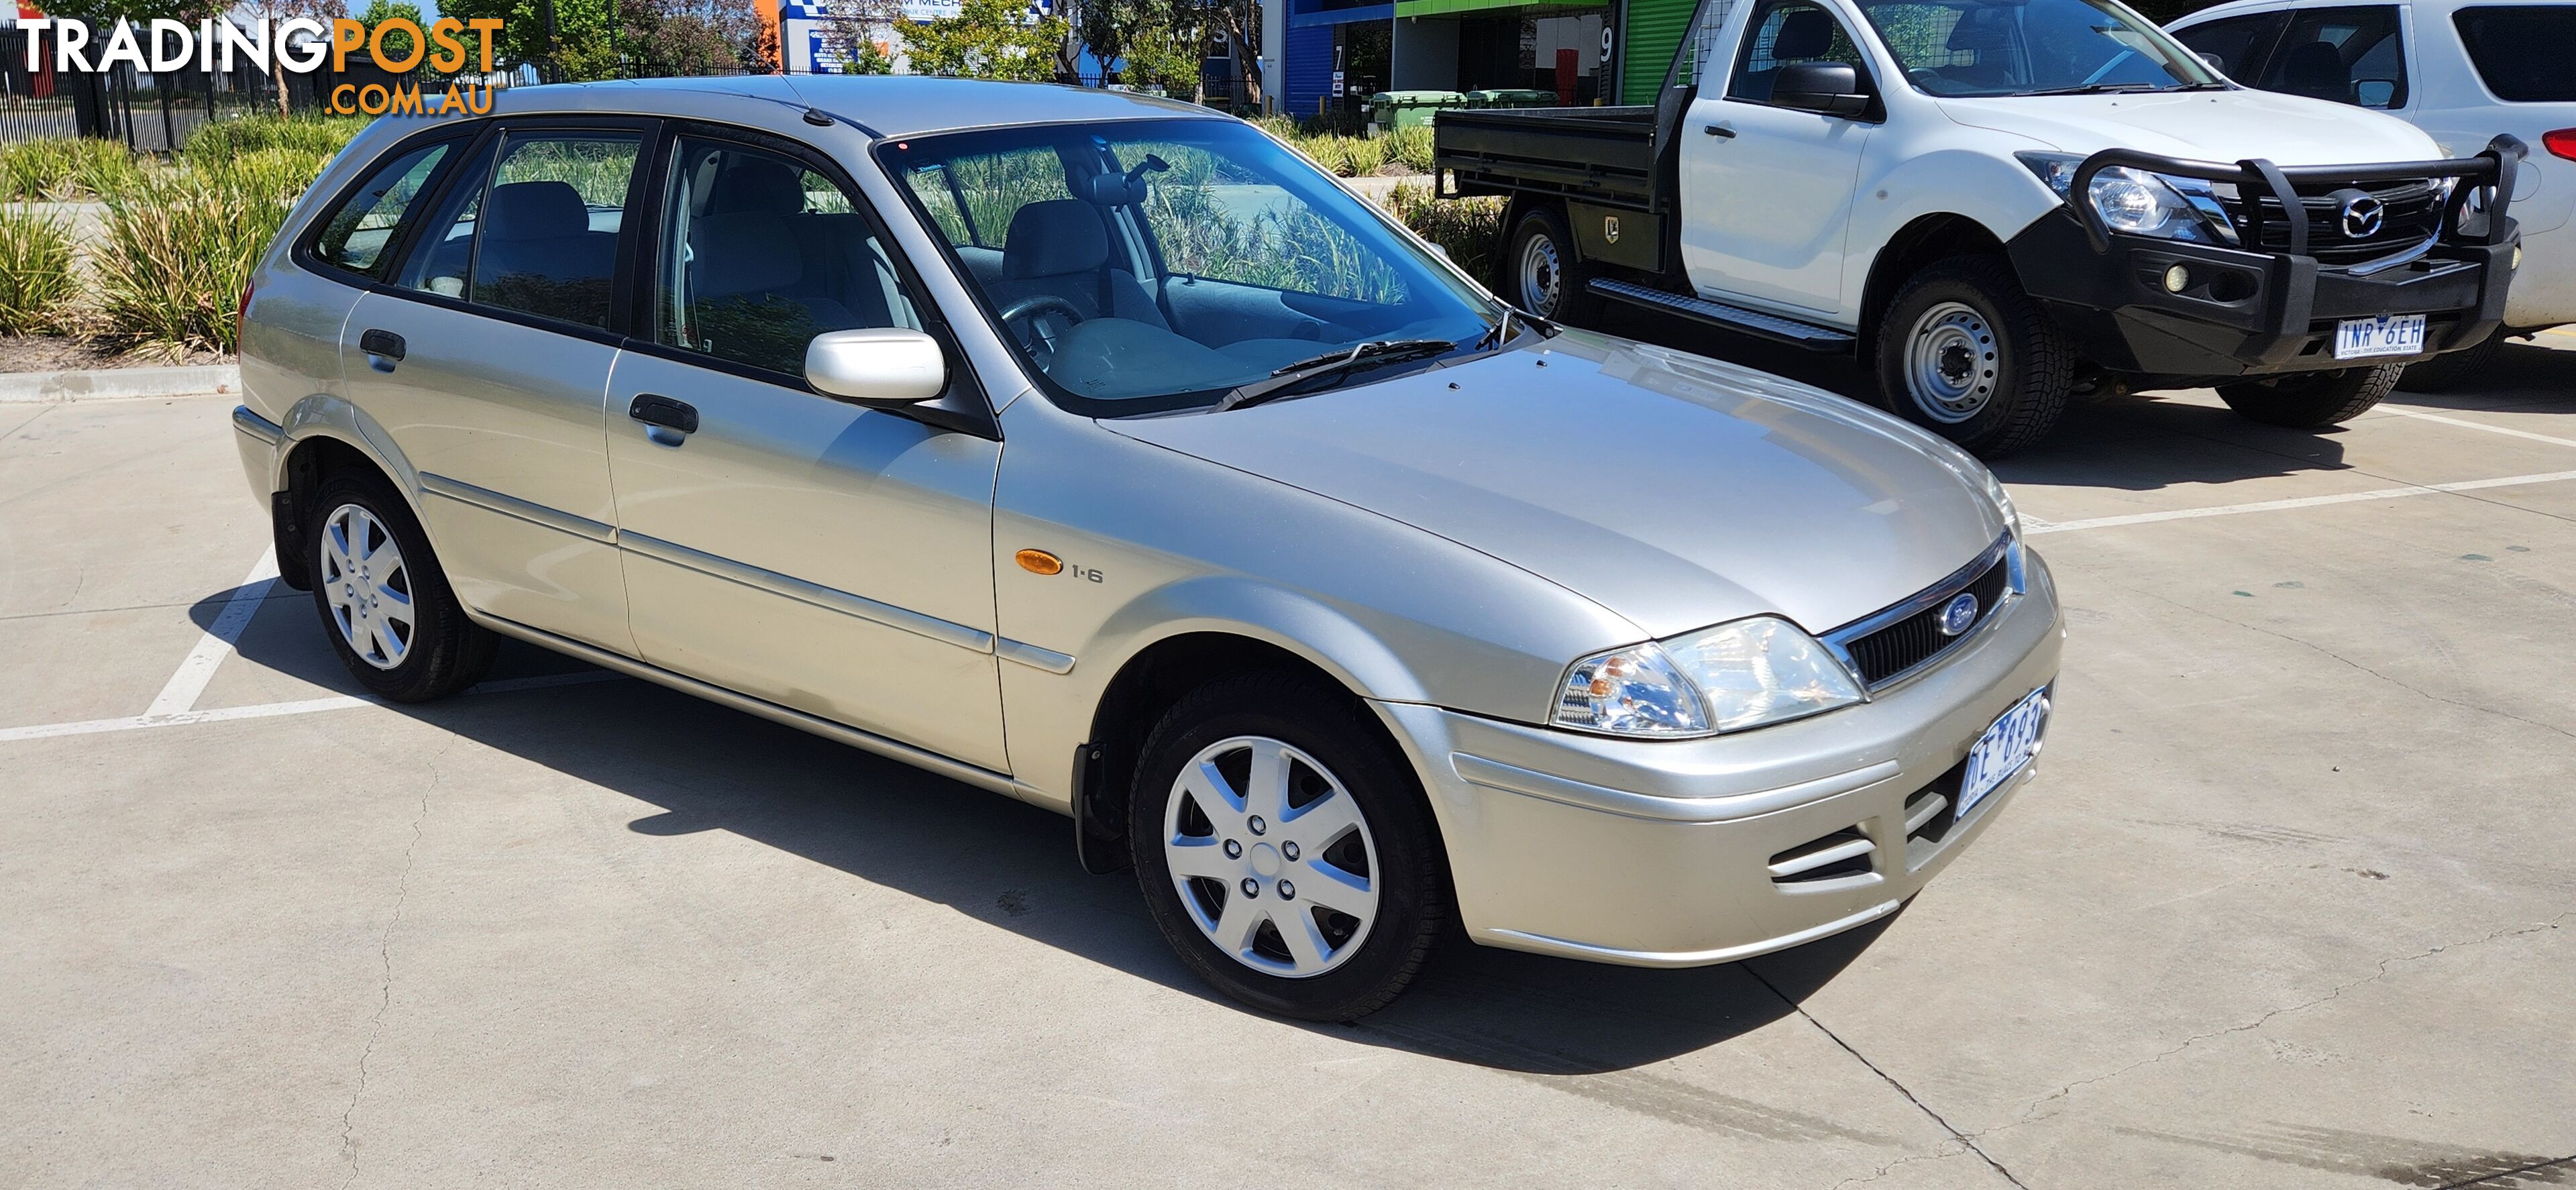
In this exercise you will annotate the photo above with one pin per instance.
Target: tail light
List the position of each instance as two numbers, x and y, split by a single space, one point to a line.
241 313
2561 143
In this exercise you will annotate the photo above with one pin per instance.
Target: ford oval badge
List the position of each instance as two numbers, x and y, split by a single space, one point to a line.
1959 614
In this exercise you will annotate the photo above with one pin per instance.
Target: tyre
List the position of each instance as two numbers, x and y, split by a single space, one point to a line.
1541 274
385 604
1964 353
2449 370
1285 849
2308 400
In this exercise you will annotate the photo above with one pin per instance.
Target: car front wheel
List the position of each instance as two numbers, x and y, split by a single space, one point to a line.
1285 849
2312 400
1964 353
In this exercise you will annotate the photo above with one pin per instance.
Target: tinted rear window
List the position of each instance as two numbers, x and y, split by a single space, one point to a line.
2521 50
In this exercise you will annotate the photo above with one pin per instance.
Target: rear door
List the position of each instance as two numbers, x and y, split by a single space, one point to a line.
810 552
487 361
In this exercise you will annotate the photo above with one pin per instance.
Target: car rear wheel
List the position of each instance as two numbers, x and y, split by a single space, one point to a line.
1545 277
1964 353
1284 848
2311 400
385 605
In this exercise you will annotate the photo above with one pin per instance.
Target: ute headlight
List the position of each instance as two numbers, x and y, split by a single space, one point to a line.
1747 673
2130 200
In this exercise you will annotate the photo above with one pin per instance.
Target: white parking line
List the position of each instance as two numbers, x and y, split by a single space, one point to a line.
271 710
2479 425
181 692
2185 514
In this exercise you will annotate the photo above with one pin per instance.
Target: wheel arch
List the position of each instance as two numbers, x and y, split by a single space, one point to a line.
1929 238
325 435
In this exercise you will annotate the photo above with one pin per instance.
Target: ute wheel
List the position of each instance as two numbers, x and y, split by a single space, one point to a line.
1285 849
1541 274
2310 400
385 604
2448 370
1964 353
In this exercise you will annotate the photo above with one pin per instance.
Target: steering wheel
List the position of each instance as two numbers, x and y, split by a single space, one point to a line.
1038 341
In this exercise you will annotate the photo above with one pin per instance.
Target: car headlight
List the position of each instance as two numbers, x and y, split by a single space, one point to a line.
2129 200
2003 503
1747 673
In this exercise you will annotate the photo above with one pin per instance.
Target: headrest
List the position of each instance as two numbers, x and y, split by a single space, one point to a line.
1052 238
1804 33
536 211
1981 29
756 185
752 252
2317 70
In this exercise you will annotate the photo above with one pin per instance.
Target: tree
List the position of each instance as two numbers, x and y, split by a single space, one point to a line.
672 38
988 39
397 45
856 29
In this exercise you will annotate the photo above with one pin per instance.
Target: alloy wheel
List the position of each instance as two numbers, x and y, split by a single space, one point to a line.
367 586
1272 857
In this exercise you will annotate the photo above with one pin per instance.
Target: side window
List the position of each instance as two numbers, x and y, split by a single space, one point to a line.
1215 217
537 232
358 232
2235 45
2348 55
760 253
1786 33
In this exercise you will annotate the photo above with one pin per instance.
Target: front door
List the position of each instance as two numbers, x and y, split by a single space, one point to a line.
490 369
1779 179
816 554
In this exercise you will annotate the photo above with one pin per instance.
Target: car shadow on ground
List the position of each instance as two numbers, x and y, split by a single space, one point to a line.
1010 865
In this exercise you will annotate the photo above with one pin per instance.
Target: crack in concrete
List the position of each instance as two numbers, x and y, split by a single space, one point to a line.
2418 691
1964 1139
385 956
2510 1177
1882 1171
2027 1116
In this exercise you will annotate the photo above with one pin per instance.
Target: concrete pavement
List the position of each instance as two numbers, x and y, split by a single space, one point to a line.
2289 904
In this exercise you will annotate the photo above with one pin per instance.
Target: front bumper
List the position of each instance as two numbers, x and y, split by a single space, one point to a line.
2252 312
1659 854
2246 313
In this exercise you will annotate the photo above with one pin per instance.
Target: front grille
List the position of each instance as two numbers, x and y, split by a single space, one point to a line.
1884 654
2410 212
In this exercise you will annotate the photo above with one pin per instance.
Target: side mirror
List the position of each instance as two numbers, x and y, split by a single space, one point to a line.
877 366
1832 88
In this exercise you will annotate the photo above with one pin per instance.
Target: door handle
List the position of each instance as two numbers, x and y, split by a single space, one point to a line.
1719 130
671 421
384 349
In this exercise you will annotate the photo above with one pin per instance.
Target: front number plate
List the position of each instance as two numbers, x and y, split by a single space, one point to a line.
2388 334
2003 750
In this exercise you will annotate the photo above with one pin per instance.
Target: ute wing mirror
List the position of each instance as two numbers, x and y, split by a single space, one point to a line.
1833 88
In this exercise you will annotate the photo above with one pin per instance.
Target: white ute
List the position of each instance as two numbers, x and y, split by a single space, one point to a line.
2463 72
1998 203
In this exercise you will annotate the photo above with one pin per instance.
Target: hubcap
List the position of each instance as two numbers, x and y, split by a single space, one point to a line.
1296 901
1540 276
367 586
1950 363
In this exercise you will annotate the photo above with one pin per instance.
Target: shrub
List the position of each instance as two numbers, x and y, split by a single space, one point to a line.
1470 230
217 141
1410 147
64 167
181 245
36 282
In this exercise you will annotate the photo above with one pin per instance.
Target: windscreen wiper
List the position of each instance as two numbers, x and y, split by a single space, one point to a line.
2102 89
1291 375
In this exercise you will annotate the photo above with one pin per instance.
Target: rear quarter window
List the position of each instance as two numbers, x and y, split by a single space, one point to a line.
365 222
2521 51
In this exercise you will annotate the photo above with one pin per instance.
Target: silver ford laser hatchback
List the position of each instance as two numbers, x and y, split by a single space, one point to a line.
1101 452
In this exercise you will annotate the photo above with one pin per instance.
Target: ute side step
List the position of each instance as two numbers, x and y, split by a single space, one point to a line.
1733 318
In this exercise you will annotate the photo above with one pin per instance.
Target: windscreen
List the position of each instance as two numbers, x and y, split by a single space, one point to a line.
1156 265
2521 51
2032 47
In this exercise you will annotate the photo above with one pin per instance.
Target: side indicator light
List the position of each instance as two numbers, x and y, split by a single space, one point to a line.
1039 562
